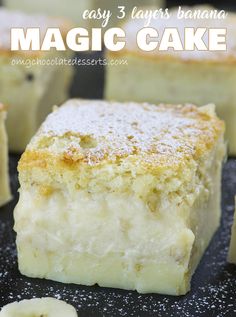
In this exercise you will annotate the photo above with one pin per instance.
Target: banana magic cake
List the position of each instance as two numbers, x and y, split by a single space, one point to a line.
5 194
123 195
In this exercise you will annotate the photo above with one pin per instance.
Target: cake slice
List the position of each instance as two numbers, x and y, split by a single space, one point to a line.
199 77
32 81
5 194
232 247
123 195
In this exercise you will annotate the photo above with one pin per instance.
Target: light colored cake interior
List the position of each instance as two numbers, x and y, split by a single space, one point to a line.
119 239
132 216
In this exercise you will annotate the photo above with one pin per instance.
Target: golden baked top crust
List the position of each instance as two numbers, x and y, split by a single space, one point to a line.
13 19
132 26
94 132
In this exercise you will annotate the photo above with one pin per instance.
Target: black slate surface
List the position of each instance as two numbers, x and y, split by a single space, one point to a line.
213 288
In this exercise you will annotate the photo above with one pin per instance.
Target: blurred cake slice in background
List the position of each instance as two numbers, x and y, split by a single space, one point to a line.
123 195
73 9
199 77
232 248
5 194
31 81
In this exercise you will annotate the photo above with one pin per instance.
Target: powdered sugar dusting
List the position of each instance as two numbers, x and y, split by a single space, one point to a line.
123 129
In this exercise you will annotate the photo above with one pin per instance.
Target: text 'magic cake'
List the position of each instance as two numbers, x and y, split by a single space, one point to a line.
198 77
123 195
31 82
5 194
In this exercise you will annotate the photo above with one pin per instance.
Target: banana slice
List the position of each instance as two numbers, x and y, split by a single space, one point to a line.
39 307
